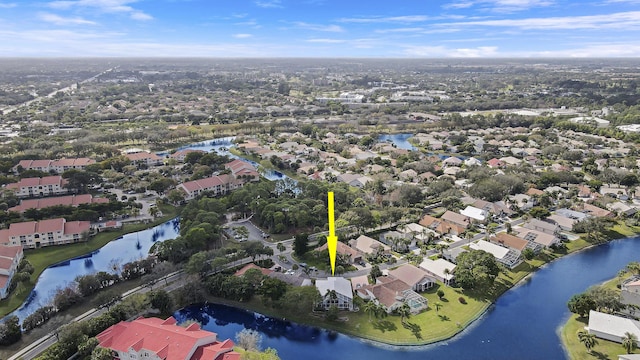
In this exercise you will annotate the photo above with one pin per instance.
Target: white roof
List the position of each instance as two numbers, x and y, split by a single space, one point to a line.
497 251
340 285
613 325
474 213
437 267
412 227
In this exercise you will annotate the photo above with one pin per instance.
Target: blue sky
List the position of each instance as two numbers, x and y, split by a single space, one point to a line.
320 28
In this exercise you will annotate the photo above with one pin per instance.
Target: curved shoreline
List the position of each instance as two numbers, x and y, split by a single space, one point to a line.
470 324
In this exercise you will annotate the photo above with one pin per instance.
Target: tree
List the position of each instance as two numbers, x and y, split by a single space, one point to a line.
161 300
438 306
476 268
606 300
272 289
581 304
332 313
100 353
374 273
634 267
629 342
281 247
249 339
370 308
107 299
528 253
539 212
198 263
88 284
589 340
440 293
404 311
301 244
10 332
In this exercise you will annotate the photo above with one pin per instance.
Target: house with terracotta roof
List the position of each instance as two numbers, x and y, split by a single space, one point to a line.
35 234
440 226
335 291
155 339
217 185
495 163
514 242
71 200
180 155
369 246
57 166
144 158
392 293
10 257
39 187
455 218
348 253
415 277
594 210
250 266
243 170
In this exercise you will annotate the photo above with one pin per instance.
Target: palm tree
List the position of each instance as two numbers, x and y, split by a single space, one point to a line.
404 311
629 342
438 306
371 308
589 340
380 312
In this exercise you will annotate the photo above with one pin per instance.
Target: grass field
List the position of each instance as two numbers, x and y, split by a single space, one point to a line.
44 257
576 350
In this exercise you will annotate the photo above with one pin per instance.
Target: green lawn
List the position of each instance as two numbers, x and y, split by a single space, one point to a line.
44 257
576 350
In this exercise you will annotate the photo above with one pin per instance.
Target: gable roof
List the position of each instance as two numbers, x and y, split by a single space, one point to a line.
409 274
340 285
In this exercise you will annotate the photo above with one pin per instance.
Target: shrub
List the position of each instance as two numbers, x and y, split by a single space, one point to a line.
462 300
440 294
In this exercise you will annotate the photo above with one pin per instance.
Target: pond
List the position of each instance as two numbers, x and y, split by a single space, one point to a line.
523 323
128 248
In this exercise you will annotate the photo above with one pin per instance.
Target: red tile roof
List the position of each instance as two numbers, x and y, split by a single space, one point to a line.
71 200
250 266
166 339
10 251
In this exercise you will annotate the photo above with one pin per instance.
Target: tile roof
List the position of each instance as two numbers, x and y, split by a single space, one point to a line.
166 339
409 274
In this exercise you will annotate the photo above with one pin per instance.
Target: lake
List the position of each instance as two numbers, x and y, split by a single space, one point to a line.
128 248
523 323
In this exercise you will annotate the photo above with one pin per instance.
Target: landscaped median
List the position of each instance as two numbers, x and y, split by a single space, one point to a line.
45 257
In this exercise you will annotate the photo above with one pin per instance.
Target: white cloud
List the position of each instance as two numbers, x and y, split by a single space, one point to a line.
269 4
242 36
107 6
624 1
327 41
389 19
59 20
7 5
441 51
401 30
500 5
318 27
622 20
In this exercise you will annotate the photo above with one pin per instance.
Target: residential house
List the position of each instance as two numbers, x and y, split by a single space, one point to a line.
514 242
497 208
441 269
155 339
630 293
440 226
455 218
594 210
508 257
538 237
56 166
408 175
35 234
622 209
451 161
335 291
415 277
472 162
181 155
145 158
10 257
292 280
252 266
565 223
522 201
70 200
369 246
351 255
243 170
478 215
542 226
359 281
611 327
392 293
39 187
495 163
397 240
217 185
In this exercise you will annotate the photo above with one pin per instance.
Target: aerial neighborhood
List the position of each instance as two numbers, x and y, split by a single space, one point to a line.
441 206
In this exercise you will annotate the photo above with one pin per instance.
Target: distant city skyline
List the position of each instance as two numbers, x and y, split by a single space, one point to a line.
320 28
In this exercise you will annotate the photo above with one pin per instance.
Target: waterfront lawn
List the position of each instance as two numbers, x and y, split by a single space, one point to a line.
575 349
44 257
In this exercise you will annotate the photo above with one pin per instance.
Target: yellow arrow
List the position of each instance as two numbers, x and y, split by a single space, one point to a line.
332 239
